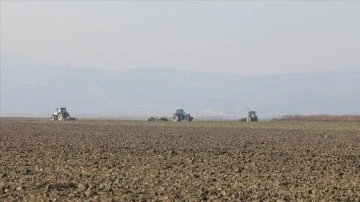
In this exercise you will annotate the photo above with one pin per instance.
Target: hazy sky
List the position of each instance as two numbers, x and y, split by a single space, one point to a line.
234 37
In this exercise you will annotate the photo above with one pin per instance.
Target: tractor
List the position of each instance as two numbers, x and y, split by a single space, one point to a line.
251 117
60 114
180 115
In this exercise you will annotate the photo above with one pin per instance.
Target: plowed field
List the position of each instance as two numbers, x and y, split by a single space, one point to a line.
166 161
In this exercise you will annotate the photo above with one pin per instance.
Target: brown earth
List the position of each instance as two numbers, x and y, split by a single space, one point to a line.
319 117
166 161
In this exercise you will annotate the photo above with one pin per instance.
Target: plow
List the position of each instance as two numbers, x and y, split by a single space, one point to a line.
158 118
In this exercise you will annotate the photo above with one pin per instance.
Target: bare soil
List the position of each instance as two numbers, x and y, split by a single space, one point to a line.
186 161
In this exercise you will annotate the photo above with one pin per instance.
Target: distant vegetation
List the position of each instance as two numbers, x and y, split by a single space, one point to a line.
319 117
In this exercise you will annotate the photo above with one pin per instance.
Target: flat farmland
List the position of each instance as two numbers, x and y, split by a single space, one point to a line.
183 161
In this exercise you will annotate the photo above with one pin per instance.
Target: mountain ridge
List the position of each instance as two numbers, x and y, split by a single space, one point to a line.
40 89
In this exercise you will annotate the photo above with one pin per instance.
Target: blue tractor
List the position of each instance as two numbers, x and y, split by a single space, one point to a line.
251 117
180 115
60 114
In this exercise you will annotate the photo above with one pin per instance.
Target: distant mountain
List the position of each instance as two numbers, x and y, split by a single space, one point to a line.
36 89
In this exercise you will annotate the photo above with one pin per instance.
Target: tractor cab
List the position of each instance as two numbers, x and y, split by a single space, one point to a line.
61 110
180 112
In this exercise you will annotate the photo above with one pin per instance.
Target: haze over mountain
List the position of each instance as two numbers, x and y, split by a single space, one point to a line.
32 88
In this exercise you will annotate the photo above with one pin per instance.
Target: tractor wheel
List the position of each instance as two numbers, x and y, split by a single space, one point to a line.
175 118
52 118
60 117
